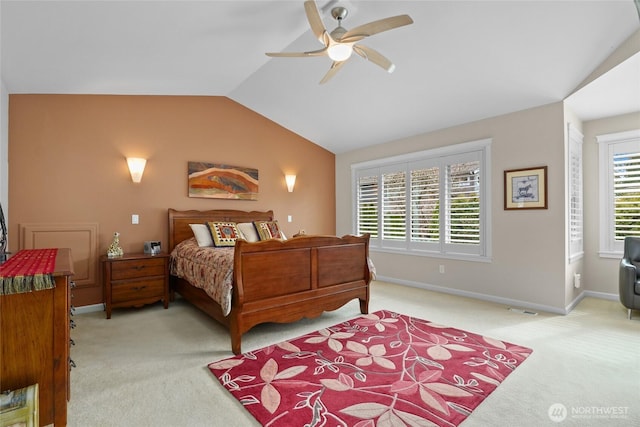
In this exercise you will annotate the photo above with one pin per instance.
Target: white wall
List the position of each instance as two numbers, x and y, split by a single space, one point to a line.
529 263
601 274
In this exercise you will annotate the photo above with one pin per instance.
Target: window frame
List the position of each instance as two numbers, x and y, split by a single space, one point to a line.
479 150
608 246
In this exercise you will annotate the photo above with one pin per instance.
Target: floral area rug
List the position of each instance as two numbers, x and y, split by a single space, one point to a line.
380 369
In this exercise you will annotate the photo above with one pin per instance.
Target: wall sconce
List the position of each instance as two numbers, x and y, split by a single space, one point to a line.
136 167
291 181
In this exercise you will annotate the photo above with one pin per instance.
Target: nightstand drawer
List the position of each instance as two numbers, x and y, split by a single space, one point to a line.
137 268
137 290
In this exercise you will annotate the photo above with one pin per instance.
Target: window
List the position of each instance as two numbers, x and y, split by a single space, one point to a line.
576 231
619 156
368 207
434 202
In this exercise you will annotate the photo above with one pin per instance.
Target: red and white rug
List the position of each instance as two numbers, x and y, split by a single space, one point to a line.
380 369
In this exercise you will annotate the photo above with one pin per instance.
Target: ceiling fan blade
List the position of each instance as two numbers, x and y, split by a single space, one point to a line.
313 16
319 52
335 67
374 56
375 27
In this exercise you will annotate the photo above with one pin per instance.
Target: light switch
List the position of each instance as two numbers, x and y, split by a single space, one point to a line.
289 218
135 219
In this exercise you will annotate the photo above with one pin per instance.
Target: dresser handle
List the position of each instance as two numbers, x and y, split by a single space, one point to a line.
72 342
72 324
138 288
72 284
72 364
139 267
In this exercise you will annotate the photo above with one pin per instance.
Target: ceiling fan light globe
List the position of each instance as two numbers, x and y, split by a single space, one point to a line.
339 52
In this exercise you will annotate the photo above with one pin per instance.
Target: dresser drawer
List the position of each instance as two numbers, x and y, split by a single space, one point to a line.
135 268
137 290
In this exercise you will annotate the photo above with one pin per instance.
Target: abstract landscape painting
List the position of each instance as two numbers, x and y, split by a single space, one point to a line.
218 181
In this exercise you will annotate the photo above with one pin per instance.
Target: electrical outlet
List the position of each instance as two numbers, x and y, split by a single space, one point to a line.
289 218
441 268
577 280
135 219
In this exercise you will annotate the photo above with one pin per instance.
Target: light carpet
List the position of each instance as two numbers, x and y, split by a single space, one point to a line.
147 367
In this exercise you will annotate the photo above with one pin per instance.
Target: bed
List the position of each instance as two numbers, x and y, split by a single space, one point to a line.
276 280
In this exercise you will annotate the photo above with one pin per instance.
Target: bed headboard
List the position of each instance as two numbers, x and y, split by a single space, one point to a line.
179 221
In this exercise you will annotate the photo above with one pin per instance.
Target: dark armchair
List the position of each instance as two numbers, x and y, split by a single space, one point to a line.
629 278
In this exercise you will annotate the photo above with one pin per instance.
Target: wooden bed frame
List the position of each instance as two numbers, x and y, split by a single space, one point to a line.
278 281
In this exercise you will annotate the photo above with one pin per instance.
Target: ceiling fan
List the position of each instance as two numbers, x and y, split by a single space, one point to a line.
340 43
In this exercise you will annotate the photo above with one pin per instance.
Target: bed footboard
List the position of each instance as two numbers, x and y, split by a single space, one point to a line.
284 281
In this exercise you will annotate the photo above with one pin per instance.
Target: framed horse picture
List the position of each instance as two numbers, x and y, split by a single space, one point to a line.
525 188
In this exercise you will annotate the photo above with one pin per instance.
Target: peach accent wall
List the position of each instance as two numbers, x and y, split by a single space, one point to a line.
67 164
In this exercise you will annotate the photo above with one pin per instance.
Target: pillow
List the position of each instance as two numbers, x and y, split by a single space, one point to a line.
248 231
223 233
202 235
267 229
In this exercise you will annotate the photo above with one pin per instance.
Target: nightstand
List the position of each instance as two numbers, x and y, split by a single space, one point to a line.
134 280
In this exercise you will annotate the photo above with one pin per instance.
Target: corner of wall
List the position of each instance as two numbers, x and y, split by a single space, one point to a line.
4 147
626 50
572 267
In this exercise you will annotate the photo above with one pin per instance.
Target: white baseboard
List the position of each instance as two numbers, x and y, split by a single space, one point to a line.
501 300
575 302
89 308
592 294
602 295
458 292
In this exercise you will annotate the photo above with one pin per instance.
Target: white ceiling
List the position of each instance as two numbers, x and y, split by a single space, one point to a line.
460 61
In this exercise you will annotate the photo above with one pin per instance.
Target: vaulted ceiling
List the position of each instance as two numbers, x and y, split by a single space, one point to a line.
460 61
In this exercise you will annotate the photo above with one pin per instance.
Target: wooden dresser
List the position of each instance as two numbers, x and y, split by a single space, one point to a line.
35 340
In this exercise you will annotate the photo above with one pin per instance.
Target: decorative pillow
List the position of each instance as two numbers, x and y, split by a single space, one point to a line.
248 231
202 234
267 229
224 233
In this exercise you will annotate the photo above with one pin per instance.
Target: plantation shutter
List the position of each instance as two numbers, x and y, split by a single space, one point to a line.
367 205
619 190
463 196
425 205
462 224
394 210
626 189
576 222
